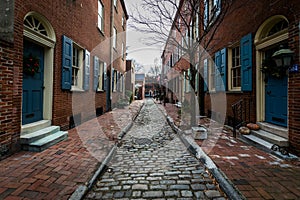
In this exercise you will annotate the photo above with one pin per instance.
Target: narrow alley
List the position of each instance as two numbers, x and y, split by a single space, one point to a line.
153 163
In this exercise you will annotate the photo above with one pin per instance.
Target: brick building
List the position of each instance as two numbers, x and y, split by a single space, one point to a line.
57 60
130 77
247 35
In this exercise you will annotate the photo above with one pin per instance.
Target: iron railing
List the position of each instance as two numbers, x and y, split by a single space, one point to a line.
241 113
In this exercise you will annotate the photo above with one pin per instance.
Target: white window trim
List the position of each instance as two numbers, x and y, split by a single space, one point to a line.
115 81
100 16
79 86
231 88
115 32
101 77
213 11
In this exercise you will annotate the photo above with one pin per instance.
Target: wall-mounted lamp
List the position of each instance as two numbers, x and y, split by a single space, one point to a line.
283 58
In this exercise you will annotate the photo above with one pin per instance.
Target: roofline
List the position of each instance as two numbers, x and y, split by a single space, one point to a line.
173 24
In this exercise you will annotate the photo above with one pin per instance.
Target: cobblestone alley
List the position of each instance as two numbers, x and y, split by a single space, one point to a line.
153 163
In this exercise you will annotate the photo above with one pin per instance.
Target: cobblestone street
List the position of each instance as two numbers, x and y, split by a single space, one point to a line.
152 163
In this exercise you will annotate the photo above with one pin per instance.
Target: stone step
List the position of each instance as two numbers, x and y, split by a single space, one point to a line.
271 138
33 127
259 141
277 130
31 137
46 142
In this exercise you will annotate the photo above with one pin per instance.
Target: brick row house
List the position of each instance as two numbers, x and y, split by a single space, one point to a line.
239 62
57 60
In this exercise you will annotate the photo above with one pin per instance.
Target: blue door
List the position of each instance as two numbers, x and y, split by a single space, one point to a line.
276 100
33 83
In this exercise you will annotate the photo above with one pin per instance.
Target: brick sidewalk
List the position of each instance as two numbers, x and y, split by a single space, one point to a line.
257 174
56 172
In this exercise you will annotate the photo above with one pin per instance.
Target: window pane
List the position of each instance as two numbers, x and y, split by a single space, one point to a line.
236 68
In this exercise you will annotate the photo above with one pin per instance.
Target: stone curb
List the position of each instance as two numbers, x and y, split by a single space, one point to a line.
81 190
225 184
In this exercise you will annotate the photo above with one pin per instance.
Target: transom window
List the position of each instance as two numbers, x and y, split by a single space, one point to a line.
279 26
34 24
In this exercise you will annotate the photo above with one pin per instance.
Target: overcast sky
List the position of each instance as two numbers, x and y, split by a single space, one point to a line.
141 53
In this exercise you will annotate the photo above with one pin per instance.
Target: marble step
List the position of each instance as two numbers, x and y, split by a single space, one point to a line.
271 138
46 142
31 137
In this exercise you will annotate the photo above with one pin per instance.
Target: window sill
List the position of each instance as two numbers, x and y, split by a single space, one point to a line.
100 91
237 91
101 32
76 89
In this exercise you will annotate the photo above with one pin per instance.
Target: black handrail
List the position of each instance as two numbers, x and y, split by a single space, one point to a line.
241 113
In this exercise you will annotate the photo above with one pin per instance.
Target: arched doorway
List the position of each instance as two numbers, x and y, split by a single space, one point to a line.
38 53
271 92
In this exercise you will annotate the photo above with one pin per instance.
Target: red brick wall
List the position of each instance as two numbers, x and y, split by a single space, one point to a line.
78 21
9 100
294 92
246 17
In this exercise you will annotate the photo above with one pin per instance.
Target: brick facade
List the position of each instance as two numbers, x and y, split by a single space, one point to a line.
76 20
243 18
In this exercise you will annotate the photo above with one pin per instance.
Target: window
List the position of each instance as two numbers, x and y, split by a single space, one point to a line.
212 9
235 68
123 21
187 86
101 77
115 38
211 72
197 34
115 3
197 78
100 16
114 84
77 67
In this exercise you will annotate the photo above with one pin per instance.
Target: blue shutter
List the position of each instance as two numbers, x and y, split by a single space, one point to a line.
221 65
87 60
224 69
246 61
113 80
217 71
67 50
105 76
205 75
96 73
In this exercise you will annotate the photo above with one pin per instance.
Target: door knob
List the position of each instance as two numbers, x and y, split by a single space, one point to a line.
269 92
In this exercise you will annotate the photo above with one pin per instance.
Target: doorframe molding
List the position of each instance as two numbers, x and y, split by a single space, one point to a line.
49 44
260 44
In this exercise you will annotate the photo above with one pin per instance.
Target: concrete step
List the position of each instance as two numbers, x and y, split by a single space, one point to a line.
31 137
46 142
271 138
33 127
277 130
